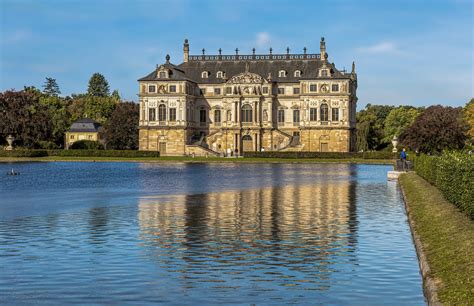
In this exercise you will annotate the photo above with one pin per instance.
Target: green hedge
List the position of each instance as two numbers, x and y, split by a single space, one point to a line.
453 174
24 153
86 145
79 153
327 155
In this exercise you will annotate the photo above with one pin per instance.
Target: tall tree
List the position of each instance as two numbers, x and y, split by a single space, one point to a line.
51 87
398 120
370 126
469 117
97 108
121 130
98 86
438 128
23 116
115 94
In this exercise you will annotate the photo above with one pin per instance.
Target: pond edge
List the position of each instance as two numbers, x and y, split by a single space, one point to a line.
429 287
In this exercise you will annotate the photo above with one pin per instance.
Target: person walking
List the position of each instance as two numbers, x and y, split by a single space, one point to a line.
403 157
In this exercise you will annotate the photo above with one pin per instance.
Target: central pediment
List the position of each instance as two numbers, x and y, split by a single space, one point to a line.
247 78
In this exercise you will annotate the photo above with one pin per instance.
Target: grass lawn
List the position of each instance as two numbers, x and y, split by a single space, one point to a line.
447 236
199 159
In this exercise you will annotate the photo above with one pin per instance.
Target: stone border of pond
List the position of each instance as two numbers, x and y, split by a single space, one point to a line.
429 286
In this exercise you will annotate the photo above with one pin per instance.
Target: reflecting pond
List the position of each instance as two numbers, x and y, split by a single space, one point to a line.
118 233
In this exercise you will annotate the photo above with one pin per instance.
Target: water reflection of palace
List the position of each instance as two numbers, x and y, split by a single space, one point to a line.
302 227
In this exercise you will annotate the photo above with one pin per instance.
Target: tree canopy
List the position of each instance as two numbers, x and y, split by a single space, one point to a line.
436 129
469 117
121 130
98 86
398 120
51 87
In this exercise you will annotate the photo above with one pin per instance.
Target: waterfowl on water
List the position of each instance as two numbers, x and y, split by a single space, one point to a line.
13 172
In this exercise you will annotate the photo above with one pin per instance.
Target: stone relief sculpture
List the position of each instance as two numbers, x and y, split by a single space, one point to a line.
246 78
265 115
229 115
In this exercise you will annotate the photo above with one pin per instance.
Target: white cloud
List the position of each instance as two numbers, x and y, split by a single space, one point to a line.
380 48
262 40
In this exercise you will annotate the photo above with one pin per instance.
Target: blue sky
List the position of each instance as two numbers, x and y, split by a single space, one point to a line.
406 52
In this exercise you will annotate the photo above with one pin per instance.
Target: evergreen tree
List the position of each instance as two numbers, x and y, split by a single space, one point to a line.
51 87
115 95
98 86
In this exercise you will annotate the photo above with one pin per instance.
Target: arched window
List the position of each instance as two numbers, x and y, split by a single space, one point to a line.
204 74
220 74
324 112
297 73
282 73
162 112
246 113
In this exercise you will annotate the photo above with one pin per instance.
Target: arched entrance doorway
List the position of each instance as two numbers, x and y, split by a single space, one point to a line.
247 143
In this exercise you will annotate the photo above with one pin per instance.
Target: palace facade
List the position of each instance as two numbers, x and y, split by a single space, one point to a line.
228 104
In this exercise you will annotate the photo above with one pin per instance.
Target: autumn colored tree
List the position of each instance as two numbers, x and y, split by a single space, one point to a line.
469 117
438 128
121 130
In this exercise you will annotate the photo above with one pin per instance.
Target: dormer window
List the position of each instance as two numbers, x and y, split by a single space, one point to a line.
220 74
297 73
282 74
163 75
205 74
324 73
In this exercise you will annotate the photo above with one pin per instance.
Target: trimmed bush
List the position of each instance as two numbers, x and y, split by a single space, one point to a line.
24 153
86 145
104 153
453 174
327 155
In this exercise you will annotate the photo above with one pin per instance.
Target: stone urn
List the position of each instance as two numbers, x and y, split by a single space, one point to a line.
394 144
10 140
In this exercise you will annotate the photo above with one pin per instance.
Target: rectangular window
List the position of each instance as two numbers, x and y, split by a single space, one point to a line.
281 115
324 73
217 116
72 137
162 74
313 114
281 90
203 91
152 88
151 114
296 116
335 114
172 88
90 137
335 87
228 90
217 91
296 90
265 90
172 114
202 116
312 87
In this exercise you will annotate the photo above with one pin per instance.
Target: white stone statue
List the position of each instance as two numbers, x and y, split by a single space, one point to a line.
394 143
10 140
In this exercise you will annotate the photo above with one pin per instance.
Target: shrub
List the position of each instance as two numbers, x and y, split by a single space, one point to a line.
453 174
327 155
23 153
104 153
86 145
47 145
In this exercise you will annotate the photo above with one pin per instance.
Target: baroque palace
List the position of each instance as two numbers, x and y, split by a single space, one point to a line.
229 104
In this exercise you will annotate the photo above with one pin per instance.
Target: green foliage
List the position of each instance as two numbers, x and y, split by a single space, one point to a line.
323 155
115 94
86 145
370 127
51 88
23 153
23 116
47 145
98 86
121 130
453 174
469 117
398 120
438 128
99 109
104 153
60 116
